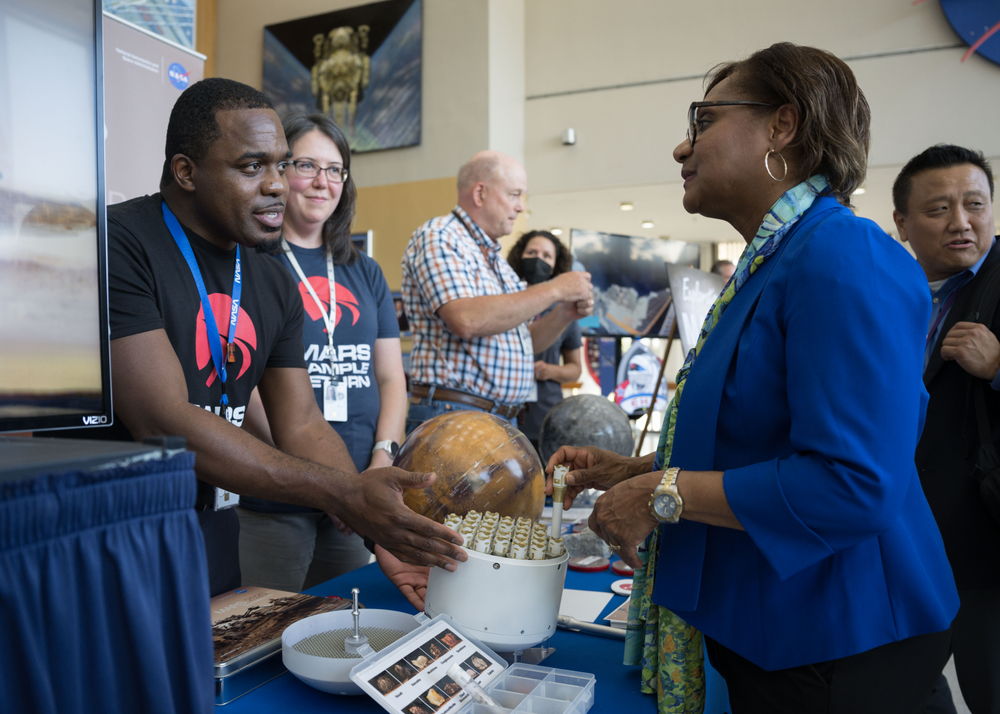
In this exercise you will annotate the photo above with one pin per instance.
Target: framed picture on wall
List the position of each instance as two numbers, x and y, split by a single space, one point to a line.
360 66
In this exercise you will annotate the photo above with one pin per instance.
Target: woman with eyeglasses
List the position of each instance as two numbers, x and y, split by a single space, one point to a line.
352 352
781 518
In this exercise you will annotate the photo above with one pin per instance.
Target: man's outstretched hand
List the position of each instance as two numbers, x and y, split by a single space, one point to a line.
372 504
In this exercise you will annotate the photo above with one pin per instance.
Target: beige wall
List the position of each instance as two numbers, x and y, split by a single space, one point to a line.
394 211
906 59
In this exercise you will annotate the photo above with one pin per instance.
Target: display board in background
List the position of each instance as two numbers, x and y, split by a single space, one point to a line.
631 290
144 74
694 292
54 363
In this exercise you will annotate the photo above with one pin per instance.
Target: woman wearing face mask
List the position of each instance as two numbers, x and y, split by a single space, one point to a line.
353 338
536 257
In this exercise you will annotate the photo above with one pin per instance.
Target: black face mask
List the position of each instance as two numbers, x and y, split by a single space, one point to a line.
535 270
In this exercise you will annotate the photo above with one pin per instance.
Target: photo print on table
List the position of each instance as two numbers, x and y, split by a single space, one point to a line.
418 659
435 697
418 706
470 669
479 662
402 670
449 686
435 649
384 682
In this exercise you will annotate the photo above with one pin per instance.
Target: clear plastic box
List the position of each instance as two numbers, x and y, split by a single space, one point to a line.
540 690
413 676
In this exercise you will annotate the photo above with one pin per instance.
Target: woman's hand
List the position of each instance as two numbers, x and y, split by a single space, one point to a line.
622 517
410 579
380 459
590 467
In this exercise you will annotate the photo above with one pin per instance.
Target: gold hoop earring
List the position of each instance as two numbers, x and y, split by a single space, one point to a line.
767 166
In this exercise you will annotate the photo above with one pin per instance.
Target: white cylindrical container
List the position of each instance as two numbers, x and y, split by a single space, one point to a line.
478 597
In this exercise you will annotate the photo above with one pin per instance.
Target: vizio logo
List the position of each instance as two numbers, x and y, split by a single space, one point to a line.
179 77
94 420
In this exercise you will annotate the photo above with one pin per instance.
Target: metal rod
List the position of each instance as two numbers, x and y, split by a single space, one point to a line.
656 390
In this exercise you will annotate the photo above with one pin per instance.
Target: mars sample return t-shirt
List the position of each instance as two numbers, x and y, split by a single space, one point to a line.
151 287
365 313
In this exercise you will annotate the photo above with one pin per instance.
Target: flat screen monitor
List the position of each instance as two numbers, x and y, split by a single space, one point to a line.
54 361
629 274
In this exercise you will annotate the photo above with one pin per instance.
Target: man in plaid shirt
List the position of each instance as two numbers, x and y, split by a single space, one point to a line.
474 332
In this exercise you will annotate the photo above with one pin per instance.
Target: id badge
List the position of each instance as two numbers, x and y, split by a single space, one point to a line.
525 335
335 399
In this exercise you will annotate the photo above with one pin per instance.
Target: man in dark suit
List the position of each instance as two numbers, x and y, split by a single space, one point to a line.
943 199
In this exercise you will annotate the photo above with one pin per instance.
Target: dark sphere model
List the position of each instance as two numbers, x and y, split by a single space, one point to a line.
586 420
482 463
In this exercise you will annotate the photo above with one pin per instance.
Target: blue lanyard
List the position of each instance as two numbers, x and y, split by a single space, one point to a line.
211 326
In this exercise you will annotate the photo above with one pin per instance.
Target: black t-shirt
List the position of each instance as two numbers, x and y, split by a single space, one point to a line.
151 287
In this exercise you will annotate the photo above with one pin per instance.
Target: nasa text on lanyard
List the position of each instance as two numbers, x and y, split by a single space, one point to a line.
211 326
335 389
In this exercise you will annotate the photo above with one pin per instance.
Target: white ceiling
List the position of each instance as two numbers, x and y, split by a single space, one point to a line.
598 209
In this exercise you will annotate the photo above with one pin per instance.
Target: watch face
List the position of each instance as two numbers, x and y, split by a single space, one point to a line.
665 506
393 449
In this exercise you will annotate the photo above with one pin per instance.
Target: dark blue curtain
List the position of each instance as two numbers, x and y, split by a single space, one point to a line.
104 603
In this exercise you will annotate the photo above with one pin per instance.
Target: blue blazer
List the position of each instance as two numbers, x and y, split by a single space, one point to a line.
809 396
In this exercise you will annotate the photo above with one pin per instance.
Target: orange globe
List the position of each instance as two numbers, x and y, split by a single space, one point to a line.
482 463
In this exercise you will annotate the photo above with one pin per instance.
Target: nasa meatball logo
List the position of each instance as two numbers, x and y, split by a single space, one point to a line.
179 77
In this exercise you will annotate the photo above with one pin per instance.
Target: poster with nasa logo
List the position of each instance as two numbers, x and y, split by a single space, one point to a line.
143 76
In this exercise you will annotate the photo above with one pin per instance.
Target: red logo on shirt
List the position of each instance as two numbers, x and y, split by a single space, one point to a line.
246 335
345 299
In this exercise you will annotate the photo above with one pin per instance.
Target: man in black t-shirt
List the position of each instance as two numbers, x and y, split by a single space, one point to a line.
224 181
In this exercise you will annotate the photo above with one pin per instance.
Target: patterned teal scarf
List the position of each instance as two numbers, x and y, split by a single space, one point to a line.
670 650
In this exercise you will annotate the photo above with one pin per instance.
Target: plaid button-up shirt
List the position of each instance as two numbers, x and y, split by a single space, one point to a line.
450 257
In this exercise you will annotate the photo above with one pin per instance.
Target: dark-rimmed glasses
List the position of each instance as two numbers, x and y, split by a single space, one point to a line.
310 169
692 132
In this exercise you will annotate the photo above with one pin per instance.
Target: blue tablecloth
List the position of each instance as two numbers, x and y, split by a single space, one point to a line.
616 690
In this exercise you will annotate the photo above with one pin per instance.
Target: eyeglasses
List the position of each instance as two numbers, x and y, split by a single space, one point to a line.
692 132
308 169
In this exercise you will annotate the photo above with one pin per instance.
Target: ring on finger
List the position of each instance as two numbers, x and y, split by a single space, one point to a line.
615 548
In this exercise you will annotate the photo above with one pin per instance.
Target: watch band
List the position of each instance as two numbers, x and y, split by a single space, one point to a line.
387 445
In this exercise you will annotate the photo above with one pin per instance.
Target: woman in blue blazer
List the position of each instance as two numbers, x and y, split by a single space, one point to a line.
790 527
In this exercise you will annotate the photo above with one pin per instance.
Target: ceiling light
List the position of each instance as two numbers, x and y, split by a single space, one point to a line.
859 190
556 231
626 205
647 224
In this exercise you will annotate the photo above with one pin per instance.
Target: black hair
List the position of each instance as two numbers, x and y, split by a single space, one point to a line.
564 259
337 228
939 156
192 128
834 118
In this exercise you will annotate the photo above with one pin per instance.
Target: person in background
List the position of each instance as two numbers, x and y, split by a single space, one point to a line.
352 352
782 516
944 209
536 257
473 321
725 268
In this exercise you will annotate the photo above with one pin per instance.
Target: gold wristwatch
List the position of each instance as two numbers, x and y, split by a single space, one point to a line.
666 503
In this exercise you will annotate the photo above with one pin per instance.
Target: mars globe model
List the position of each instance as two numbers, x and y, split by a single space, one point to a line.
482 463
586 420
